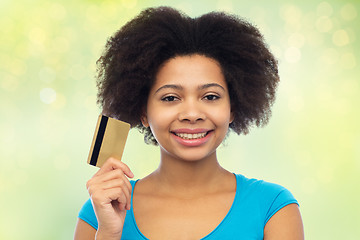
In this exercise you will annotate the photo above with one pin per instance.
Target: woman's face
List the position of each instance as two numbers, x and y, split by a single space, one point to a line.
188 108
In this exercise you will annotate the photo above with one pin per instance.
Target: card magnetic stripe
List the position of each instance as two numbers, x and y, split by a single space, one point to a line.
99 140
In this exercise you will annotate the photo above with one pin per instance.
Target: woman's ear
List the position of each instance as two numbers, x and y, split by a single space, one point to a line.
144 121
231 117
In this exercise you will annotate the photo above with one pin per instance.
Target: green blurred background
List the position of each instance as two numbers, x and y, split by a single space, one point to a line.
48 51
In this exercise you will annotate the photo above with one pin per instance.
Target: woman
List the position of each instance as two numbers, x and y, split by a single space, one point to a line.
185 83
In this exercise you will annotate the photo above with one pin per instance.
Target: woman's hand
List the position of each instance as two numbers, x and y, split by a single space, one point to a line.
110 192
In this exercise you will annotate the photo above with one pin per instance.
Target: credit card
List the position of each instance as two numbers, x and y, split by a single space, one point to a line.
108 141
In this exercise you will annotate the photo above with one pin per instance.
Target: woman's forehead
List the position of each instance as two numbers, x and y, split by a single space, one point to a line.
190 70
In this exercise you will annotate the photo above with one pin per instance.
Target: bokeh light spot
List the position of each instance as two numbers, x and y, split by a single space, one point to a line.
324 9
324 24
47 95
348 12
291 13
292 54
340 38
37 35
110 9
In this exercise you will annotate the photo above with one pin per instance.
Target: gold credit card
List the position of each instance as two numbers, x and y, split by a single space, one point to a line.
108 141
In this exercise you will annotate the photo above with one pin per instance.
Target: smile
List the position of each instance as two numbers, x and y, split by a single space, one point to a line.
189 136
192 137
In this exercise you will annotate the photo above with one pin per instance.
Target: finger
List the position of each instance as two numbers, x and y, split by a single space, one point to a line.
122 206
115 183
127 189
118 183
113 163
114 174
105 197
113 179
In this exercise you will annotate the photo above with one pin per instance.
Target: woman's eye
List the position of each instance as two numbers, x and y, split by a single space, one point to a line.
169 98
211 97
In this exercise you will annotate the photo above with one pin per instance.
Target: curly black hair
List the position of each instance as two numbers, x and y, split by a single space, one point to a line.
133 55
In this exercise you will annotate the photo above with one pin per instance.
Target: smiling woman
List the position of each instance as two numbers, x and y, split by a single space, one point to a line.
200 78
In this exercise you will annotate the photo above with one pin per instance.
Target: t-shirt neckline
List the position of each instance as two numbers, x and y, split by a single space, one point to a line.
208 235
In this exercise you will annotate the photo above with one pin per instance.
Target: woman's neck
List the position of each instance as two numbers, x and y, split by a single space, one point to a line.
188 178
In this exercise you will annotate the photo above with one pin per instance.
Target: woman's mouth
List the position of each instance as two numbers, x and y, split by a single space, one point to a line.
191 136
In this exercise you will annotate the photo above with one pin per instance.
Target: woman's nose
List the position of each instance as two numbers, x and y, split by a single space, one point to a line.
191 111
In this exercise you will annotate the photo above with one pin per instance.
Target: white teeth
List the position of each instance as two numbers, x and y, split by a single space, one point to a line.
191 136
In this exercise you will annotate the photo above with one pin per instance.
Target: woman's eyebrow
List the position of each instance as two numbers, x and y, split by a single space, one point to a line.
179 87
208 85
171 86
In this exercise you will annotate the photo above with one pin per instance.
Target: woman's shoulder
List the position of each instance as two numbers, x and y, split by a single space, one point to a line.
258 185
264 196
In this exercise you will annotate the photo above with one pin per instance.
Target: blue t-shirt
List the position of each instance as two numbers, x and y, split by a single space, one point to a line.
255 202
